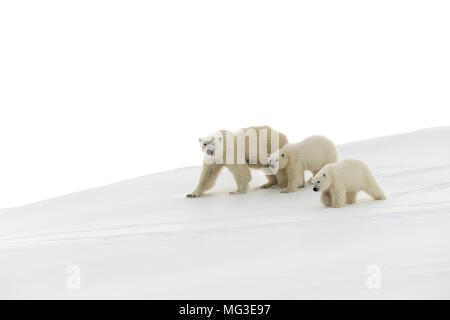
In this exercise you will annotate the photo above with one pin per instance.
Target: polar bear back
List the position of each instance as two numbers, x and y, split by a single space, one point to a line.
274 140
353 173
315 152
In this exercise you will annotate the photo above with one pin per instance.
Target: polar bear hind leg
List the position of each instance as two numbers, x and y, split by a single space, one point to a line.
271 181
351 197
375 191
242 176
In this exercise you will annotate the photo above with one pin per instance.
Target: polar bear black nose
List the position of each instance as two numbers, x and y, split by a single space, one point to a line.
315 189
209 152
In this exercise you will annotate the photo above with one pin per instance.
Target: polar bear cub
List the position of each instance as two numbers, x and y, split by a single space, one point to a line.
295 158
340 183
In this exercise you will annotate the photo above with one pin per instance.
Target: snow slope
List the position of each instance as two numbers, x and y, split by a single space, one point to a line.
143 239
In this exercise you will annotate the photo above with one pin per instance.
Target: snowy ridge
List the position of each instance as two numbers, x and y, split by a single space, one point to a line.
142 238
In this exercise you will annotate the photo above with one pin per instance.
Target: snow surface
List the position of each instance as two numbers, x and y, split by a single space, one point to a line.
142 238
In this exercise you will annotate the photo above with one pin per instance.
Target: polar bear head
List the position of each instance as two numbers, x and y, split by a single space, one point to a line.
322 180
277 160
208 145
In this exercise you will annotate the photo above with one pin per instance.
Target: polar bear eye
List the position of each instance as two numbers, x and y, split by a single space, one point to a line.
318 182
204 144
282 155
324 174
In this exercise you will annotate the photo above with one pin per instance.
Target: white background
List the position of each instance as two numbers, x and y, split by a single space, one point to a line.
92 92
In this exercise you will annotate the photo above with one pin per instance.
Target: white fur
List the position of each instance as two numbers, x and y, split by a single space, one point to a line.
310 154
216 158
208 144
340 183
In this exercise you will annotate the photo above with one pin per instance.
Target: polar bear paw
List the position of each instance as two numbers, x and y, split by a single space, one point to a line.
193 195
268 185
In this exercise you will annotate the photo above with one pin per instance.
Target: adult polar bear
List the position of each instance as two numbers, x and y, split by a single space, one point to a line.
239 152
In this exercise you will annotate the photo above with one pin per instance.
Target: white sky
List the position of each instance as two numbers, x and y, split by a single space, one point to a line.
93 92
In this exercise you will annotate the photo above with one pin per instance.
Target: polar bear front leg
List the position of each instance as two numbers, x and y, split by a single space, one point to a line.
338 197
242 176
325 198
208 178
295 178
281 179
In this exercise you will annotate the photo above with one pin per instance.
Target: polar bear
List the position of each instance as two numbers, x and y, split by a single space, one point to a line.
239 152
340 183
310 154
